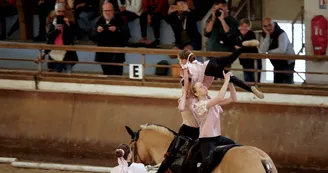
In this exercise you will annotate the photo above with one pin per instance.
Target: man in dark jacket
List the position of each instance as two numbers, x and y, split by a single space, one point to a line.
221 28
184 25
108 32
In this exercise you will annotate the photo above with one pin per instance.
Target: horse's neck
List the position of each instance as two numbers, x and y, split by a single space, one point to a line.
158 144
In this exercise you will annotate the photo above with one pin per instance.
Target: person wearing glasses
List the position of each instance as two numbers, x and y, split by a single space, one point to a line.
108 32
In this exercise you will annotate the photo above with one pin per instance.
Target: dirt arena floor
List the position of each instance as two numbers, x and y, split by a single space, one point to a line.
7 168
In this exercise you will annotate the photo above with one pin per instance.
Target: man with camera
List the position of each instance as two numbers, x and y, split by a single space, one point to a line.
184 25
221 28
109 33
153 12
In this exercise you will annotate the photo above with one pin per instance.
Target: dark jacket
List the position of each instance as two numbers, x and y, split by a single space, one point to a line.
191 27
219 40
91 5
274 44
109 39
274 36
68 39
250 35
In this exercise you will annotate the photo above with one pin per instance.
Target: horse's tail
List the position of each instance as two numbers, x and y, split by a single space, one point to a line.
267 165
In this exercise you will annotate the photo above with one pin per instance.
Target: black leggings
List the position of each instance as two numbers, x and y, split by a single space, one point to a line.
208 145
184 130
216 66
155 23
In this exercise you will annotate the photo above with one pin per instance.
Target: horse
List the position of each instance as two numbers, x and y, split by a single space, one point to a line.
150 143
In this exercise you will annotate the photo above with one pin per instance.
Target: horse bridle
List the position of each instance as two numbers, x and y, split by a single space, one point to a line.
135 151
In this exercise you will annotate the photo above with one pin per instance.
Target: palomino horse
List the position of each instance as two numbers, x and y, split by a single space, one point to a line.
150 143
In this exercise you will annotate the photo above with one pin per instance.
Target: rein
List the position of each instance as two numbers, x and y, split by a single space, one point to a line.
135 151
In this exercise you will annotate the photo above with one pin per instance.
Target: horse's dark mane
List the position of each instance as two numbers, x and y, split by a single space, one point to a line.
173 132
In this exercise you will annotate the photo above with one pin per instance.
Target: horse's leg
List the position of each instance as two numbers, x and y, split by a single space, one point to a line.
245 159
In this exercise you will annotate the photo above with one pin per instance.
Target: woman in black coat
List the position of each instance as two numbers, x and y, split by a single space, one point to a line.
61 32
245 34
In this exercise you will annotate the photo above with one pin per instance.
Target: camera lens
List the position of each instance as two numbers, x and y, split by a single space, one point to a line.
218 13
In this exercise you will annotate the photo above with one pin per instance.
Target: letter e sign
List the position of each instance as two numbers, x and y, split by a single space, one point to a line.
135 71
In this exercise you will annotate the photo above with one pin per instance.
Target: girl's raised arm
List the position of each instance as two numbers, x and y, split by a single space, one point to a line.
220 97
232 98
182 101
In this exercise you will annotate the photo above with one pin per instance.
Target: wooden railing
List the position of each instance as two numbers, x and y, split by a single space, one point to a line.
40 74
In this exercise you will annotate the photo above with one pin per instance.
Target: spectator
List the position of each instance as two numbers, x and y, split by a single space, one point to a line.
184 25
221 28
245 34
108 32
276 41
85 12
61 33
69 12
115 5
153 12
7 8
124 155
130 9
44 7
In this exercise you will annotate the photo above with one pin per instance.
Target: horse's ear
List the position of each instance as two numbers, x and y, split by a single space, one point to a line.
129 130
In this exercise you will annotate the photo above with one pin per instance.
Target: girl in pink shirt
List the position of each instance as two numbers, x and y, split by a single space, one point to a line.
194 71
207 113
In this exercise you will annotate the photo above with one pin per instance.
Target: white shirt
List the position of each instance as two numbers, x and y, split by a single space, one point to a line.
133 168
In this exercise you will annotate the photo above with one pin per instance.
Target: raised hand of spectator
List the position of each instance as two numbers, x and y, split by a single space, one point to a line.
267 33
172 9
100 29
122 8
221 17
40 2
185 7
112 28
213 12
80 5
66 21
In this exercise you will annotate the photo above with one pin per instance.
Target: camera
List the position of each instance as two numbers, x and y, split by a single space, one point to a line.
60 20
105 26
179 7
218 12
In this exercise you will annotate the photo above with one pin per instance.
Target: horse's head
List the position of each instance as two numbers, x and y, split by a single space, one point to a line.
150 143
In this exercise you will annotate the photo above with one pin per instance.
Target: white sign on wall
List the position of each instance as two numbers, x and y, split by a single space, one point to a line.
322 4
135 71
